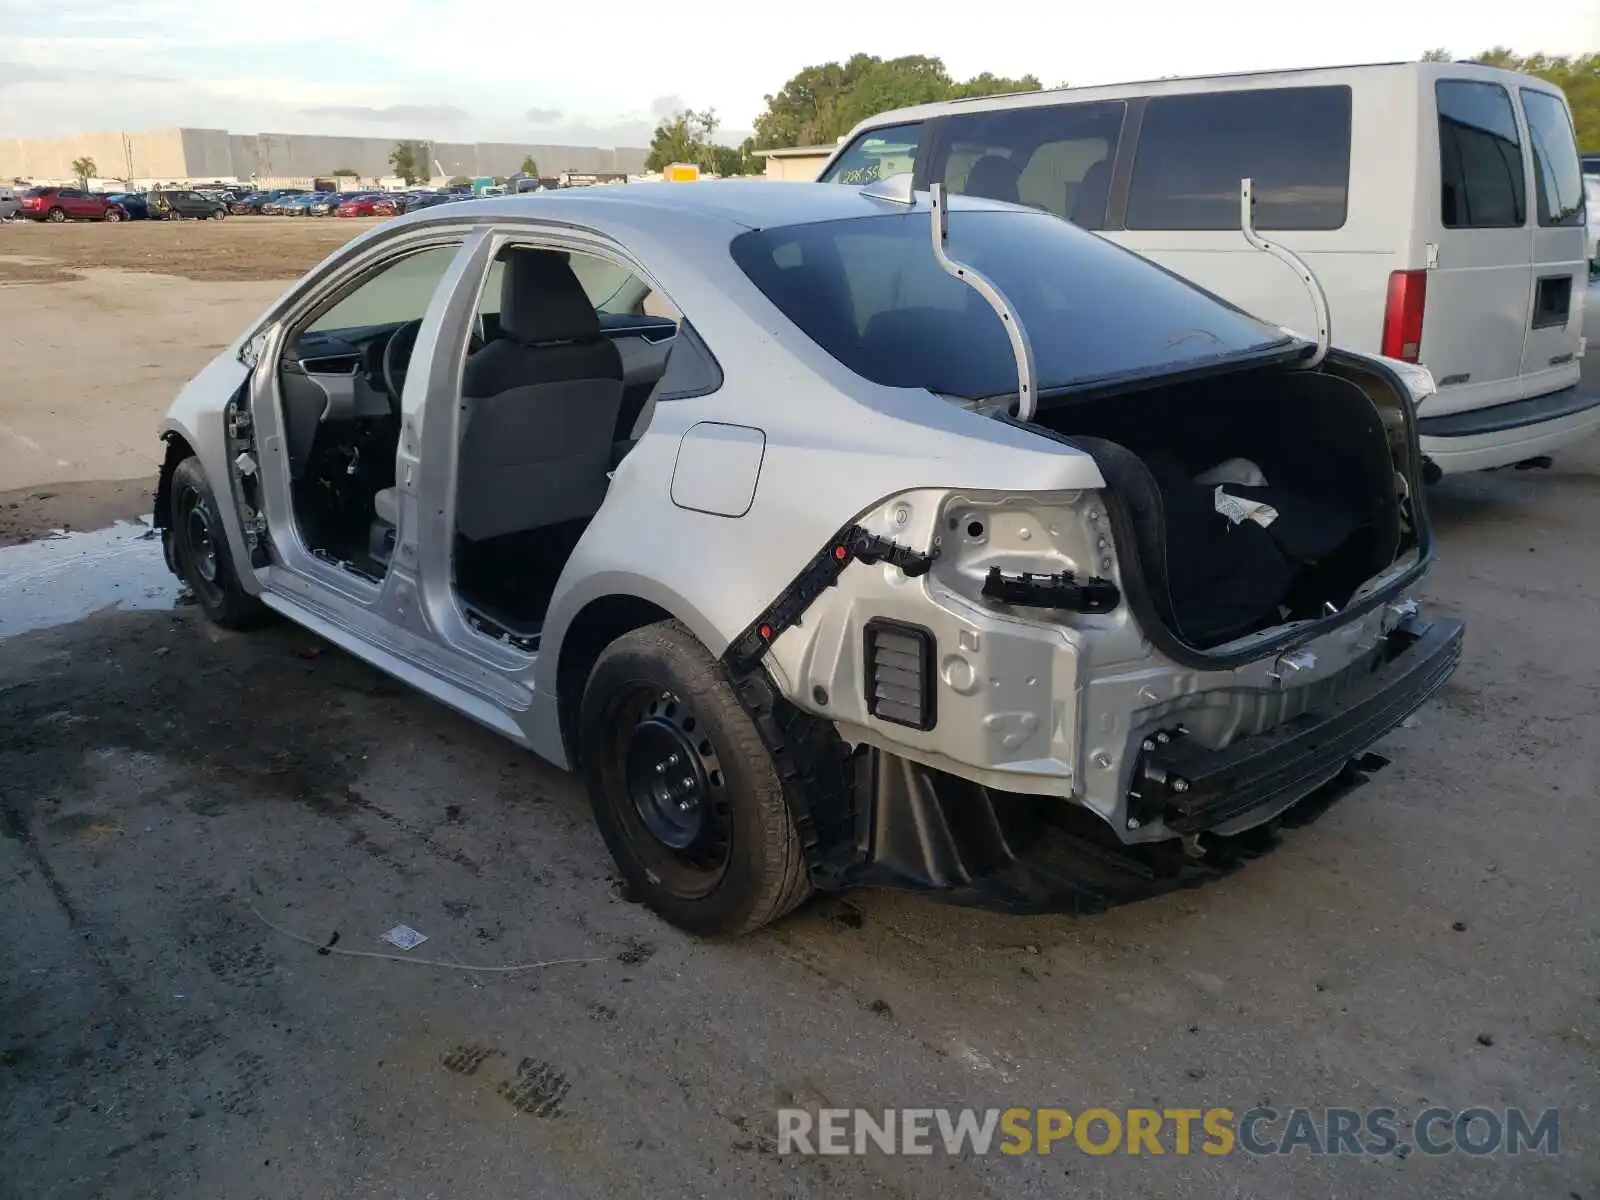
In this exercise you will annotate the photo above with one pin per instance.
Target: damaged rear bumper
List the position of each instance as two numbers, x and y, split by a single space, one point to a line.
927 830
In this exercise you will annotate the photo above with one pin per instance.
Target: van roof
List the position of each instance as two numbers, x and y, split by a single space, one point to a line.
1240 81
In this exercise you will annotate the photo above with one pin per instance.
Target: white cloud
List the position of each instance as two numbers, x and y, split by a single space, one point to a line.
608 74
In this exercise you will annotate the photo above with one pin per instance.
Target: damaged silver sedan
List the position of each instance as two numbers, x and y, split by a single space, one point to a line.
836 538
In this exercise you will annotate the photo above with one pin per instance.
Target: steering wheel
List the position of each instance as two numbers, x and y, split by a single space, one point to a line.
397 356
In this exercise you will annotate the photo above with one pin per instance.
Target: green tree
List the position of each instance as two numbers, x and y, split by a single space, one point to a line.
688 137
83 170
529 167
822 102
1439 54
410 161
1577 75
346 173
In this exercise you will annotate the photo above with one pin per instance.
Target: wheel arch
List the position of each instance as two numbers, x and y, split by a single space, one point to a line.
596 625
178 449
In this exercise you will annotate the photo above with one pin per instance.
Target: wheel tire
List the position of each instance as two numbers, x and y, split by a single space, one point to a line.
219 214
113 215
760 872
56 215
200 550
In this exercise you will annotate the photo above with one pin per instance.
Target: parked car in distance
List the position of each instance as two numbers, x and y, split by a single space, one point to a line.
68 204
133 204
372 204
295 206
416 201
259 202
1440 204
1028 628
168 205
10 206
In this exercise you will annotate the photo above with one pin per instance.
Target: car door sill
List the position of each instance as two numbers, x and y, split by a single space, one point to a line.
496 711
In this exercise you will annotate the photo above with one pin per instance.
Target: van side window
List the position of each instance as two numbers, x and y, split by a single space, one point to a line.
1055 158
1480 157
1293 143
877 154
1558 184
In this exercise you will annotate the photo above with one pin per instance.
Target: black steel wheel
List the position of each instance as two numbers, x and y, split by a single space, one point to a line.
683 789
199 548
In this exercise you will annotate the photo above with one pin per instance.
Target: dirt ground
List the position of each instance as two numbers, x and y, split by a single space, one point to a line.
178 806
100 325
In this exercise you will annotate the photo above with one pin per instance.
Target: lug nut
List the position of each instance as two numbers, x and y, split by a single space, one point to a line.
661 768
1147 745
1133 822
1163 737
1180 785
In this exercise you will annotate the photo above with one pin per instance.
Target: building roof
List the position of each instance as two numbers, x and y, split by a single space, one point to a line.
797 152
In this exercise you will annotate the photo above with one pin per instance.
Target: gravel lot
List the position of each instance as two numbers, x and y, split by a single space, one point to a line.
167 790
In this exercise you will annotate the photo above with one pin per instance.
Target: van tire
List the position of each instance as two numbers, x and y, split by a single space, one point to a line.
199 549
656 695
56 215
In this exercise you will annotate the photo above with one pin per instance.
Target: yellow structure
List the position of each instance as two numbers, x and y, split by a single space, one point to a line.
681 172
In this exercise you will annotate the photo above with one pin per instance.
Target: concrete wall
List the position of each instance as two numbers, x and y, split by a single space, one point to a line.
152 153
199 154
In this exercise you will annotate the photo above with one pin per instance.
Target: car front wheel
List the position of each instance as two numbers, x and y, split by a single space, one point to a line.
57 215
684 790
199 549
219 214
113 215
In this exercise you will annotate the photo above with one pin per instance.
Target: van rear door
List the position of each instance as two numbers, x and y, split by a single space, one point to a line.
1559 271
1478 297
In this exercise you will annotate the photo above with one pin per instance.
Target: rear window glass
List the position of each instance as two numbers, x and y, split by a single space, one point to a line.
35 193
869 292
1055 158
1480 157
1293 144
877 154
1558 183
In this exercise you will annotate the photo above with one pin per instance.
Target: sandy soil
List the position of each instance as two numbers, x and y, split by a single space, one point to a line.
235 249
100 325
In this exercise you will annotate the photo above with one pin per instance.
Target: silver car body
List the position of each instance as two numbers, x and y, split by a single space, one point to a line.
729 494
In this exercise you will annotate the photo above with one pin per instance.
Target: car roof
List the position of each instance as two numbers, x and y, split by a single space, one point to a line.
1184 84
753 204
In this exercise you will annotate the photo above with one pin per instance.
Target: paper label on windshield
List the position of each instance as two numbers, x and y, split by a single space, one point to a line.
1237 509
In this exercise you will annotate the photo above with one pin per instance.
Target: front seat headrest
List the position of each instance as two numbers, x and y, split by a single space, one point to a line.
994 178
541 299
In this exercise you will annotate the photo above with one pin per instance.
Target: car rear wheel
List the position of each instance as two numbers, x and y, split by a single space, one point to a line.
219 214
199 549
684 790
113 215
57 215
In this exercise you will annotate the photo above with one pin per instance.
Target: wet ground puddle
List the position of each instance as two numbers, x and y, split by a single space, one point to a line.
68 576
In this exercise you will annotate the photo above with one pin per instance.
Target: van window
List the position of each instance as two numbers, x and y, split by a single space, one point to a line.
878 154
1057 159
1293 143
869 292
1558 184
1480 157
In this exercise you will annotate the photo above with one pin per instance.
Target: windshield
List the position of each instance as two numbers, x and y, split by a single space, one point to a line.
868 291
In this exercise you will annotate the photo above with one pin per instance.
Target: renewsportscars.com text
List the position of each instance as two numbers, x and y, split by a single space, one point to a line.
1373 1132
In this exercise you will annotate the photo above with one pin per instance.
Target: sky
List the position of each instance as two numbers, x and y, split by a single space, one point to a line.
602 73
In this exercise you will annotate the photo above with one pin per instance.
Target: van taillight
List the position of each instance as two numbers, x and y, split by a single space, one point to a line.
1402 315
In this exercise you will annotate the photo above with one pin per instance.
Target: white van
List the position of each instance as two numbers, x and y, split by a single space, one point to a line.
1441 206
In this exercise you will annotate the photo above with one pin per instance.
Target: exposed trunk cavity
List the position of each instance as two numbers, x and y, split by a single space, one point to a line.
1251 500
